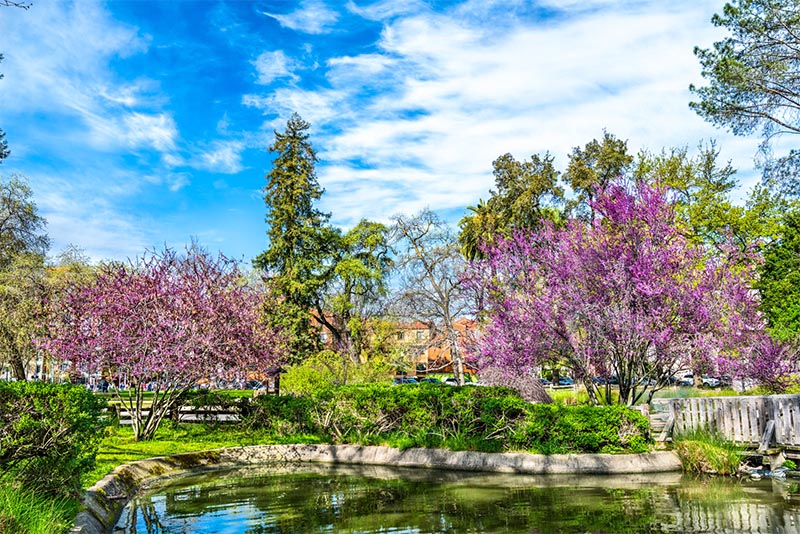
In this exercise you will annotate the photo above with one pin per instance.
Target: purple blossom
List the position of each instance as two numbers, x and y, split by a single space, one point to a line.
626 295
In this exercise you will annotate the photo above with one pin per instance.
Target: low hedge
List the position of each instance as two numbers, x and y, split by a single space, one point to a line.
490 419
49 435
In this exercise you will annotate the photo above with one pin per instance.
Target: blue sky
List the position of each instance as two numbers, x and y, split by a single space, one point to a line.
144 123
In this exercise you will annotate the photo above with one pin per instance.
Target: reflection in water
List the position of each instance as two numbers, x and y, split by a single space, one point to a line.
316 498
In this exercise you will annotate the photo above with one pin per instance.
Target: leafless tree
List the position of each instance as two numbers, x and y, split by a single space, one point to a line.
431 288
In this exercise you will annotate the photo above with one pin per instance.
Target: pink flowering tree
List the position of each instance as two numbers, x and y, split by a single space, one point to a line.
625 295
160 324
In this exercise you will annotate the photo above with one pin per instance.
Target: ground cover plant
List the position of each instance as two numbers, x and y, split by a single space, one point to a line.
702 451
49 435
490 419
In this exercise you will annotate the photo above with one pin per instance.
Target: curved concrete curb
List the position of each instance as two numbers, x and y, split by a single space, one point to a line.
105 500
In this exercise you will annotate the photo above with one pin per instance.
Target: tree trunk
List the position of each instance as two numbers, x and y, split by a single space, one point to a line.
18 368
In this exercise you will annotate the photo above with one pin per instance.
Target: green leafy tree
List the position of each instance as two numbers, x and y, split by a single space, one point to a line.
593 167
527 192
779 281
23 288
312 266
21 226
300 240
754 74
355 288
702 189
23 245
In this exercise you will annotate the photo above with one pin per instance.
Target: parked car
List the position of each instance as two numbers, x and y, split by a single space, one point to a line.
711 382
686 380
565 381
545 381
405 380
429 381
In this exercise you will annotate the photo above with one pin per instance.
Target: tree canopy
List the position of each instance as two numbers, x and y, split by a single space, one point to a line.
779 281
527 193
319 275
753 74
21 226
625 295
161 324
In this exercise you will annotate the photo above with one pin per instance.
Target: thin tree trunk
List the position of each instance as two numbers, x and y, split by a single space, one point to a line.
18 368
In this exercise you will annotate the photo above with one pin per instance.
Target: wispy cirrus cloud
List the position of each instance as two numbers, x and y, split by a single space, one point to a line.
445 94
223 157
273 65
313 17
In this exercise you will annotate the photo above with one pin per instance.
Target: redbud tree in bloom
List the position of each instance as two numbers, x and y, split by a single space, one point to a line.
162 323
624 295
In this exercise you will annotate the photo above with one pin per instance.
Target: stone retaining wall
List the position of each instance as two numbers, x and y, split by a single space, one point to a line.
105 500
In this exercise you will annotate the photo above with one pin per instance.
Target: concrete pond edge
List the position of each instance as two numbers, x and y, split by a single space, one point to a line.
105 500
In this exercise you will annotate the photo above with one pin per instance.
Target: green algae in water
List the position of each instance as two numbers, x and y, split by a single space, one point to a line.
316 499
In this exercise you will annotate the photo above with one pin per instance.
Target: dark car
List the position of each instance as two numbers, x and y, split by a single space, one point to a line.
565 381
429 381
405 380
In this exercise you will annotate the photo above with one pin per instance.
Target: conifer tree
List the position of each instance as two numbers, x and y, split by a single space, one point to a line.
299 237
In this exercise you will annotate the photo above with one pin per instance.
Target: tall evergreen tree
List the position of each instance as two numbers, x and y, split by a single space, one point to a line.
299 237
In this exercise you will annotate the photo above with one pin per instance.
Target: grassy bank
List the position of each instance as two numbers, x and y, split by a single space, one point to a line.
24 511
119 447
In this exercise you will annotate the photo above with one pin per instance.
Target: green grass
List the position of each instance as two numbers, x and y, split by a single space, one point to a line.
25 512
119 447
702 451
691 392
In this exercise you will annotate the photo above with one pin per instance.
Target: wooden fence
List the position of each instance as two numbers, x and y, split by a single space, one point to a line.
756 421
188 414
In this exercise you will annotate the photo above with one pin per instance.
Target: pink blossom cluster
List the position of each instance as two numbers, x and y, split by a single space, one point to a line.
167 319
624 295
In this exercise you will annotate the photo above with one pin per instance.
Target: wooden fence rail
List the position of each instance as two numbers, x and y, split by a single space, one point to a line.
763 421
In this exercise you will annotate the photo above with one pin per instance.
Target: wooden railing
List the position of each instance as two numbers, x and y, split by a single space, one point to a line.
757 421
188 414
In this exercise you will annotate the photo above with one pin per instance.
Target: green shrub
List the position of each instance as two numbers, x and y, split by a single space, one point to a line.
49 435
488 419
558 429
281 415
702 451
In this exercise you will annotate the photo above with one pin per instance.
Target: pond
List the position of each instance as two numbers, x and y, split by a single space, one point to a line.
319 498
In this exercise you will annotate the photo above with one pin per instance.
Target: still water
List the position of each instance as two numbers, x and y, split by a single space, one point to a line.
317 498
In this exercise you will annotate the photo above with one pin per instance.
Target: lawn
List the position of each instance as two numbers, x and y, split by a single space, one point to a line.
119 447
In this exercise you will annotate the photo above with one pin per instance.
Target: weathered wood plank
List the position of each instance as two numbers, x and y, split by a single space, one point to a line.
766 439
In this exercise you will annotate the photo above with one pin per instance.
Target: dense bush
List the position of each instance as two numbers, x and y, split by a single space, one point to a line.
49 435
473 418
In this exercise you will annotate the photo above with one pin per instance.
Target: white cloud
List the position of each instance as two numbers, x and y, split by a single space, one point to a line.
273 65
317 107
224 157
313 17
156 131
446 95
385 9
